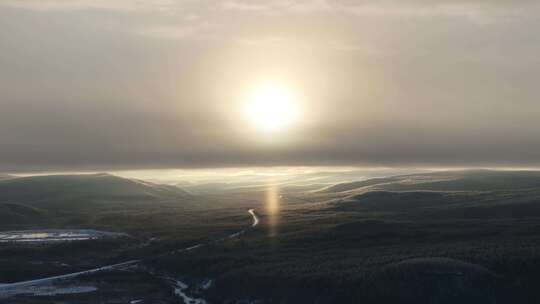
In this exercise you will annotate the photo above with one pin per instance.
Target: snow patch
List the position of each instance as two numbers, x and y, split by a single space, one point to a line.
45 290
206 284
55 235
180 291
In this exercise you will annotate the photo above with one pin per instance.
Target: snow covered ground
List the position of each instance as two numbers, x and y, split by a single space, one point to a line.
52 290
181 291
28 287
55 235
46 290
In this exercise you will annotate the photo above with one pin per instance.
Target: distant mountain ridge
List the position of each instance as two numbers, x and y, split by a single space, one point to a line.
101 186
6 176
467 180
449 194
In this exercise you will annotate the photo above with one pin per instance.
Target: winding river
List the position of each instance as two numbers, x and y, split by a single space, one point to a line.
11 289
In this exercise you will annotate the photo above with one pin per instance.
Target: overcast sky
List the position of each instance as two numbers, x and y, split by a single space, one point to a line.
104 84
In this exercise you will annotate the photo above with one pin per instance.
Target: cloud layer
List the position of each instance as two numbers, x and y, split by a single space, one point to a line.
155 84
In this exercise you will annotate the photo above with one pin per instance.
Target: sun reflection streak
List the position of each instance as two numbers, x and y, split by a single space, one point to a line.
272 208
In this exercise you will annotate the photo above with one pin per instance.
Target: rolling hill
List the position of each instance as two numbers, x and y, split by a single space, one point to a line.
450 194
101 186
20 214
468 180
442 237
100 201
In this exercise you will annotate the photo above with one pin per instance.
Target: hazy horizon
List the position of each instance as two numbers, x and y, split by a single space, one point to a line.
233 174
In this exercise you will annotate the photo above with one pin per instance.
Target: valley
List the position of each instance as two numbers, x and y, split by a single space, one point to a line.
446 237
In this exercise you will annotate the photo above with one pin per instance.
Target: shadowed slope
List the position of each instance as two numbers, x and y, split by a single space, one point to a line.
92 186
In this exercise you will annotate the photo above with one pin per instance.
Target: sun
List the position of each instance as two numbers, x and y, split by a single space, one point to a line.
271 107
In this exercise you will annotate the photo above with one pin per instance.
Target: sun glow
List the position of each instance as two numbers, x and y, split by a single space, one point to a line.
271 107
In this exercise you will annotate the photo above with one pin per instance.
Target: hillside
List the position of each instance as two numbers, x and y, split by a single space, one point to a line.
450 194
20 214
83 187
468 180
442 237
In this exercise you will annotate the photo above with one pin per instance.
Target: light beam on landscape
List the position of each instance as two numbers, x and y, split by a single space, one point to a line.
272 208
